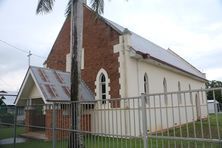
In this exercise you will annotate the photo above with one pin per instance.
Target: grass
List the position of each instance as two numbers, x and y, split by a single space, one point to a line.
102 142
8 132
201 127
105 142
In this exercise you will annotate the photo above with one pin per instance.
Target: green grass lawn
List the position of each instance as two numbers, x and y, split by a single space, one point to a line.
101 142
8 132
201 127
106 142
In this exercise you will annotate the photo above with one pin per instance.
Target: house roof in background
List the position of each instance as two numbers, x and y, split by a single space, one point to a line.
55 85
156 52
212 101
10 97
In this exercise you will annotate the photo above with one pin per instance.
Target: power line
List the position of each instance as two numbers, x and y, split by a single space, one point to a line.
21 50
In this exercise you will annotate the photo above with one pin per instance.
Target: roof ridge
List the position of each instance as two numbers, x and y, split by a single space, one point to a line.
45 68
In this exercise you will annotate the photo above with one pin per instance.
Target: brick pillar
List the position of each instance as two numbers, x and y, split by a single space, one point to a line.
29 113
48 124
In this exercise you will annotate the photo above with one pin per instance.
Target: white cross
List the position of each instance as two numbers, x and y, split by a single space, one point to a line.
29 57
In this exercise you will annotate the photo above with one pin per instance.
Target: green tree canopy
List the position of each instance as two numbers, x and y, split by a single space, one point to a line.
218 93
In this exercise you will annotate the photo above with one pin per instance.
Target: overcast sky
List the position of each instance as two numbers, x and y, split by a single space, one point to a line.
193 29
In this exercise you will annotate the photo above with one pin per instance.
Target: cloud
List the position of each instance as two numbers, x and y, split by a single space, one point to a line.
13 80
214 74
26 30
193 29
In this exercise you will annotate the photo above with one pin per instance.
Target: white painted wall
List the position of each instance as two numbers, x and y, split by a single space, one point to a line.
127 120
34 93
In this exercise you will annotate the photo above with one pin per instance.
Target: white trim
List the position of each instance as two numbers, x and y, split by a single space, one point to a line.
22 87
30 73
123 49
82 59
97 83
38 87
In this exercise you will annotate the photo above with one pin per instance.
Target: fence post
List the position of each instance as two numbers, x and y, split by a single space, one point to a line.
15 120
144 120
53 125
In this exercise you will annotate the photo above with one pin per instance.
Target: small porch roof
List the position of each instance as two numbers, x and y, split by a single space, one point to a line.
52 85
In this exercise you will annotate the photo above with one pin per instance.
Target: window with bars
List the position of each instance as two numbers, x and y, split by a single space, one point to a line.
103 88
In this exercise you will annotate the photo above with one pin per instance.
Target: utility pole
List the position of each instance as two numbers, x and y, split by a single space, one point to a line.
29 58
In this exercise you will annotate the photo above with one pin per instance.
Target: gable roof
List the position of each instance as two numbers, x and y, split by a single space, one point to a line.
53 85
156 52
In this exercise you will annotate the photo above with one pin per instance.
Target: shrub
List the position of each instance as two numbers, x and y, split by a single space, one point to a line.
7 118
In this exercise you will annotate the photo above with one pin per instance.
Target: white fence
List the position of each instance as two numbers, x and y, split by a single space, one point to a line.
173 119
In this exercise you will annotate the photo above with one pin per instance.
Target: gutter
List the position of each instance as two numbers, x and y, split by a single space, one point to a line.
148 56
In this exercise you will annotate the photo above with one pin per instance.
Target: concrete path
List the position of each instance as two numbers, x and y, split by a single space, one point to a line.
11 141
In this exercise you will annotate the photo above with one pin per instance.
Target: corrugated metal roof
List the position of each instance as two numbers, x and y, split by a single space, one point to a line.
145 46
9 100
212 101
55 85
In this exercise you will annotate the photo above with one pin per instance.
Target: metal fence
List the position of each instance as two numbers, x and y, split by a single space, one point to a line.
173 119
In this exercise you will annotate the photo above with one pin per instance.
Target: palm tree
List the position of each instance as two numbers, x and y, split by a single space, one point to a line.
75 9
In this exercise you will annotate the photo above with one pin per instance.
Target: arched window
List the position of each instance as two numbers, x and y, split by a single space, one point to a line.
146 86
179 94
191 97
102 84
202 95
165 90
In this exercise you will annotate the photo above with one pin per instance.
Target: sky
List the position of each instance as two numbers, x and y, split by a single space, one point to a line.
193 29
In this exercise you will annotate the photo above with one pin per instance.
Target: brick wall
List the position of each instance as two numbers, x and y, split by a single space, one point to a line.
57 57
32 118
98 41
64 122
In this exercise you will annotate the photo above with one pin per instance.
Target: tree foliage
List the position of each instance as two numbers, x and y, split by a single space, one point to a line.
217 93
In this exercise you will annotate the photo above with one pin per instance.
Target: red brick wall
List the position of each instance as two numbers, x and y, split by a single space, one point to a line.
28 119
98 41
85 122
64 122
57 57
32 118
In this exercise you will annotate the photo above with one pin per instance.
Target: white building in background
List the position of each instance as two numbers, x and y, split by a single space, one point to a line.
213 106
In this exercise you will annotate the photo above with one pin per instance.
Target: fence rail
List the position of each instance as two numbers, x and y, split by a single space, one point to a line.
173 119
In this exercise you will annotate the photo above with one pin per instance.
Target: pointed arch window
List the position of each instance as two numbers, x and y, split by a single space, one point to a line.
165 90
103 88
146 87
191 97
179 94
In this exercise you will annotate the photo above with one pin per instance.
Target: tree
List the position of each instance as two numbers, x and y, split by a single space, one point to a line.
75 9
217 93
